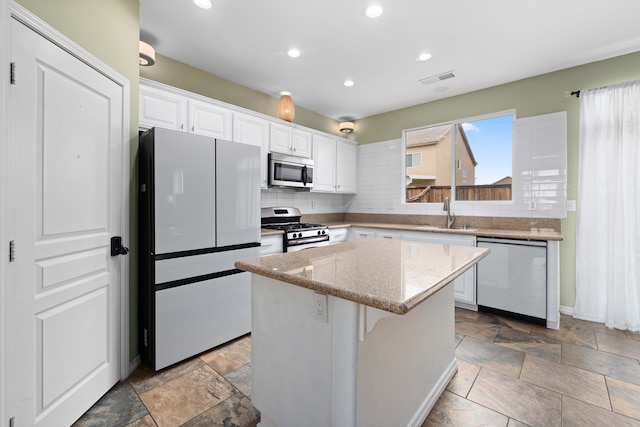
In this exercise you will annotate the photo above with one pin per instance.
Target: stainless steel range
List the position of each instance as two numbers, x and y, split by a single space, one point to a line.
297 235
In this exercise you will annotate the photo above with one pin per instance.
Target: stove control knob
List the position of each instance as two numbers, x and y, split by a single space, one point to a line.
324 232
299 234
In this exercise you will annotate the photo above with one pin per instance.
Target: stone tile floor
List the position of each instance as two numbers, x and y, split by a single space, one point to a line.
510 374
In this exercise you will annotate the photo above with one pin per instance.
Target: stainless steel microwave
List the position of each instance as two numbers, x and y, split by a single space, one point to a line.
290 171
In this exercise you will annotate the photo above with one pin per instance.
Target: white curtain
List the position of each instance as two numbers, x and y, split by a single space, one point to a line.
608 214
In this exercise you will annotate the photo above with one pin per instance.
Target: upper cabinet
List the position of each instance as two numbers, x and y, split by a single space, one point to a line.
209 120
255 131
287 140
334 165
346 160
172 108
162 109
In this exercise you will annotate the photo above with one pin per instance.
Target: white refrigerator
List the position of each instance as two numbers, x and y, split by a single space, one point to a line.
199 212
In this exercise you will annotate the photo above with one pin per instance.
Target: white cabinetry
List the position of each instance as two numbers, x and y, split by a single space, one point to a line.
209 120
324 163
271 244
255 131
346 160
361 233
163 109
338 235
287 140
464 285
335 165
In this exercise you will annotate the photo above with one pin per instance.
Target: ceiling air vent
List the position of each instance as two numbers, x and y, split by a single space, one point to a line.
438 78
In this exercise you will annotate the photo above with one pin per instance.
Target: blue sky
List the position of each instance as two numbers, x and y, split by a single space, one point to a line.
490 141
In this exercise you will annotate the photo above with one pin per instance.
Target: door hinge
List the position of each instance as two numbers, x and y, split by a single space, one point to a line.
12 250
12 79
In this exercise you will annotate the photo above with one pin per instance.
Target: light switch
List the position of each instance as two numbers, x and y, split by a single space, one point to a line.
571 205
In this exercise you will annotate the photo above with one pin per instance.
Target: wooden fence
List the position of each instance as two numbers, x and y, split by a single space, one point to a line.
437 194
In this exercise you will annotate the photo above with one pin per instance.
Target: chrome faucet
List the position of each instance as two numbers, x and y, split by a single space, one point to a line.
451 218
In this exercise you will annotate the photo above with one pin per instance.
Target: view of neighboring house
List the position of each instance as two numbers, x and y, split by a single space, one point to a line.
429 157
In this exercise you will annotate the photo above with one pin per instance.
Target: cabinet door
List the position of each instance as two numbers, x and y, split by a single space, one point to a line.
324 162
280 138
255 131
209 120
301 143
346 159
464 285
162 109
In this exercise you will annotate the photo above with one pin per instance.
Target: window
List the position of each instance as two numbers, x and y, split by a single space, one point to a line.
462 160
414 160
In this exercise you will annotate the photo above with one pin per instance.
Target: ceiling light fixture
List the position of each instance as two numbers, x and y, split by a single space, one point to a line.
346 127
147 54
286 109
203 4
373 11
293 53
348 83
423 57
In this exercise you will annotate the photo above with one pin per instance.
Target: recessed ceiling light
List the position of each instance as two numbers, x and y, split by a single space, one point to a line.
423 57
373 11
293 53
284 92
348 83
203 4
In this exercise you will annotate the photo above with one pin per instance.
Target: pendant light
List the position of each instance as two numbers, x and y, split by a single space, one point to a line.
286 109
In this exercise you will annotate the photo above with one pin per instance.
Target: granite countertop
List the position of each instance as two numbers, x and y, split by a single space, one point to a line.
392 275
532 234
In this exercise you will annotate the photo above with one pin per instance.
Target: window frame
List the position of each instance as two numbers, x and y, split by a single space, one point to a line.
514 118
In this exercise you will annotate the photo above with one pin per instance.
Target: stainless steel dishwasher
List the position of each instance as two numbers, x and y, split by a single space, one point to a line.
512 279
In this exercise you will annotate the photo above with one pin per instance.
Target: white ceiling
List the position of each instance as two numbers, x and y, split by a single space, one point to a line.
486 43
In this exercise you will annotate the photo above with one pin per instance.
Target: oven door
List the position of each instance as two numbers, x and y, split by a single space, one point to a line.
290 171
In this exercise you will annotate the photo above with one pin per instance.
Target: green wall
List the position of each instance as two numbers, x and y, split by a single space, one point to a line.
178 74
109 30
537 95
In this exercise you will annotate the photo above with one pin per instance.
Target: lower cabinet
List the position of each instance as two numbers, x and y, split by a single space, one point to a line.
271 244
464 286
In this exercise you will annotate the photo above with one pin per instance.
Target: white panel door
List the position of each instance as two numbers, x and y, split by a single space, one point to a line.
159 108
65 194
209 120
346 154
255 131
324 161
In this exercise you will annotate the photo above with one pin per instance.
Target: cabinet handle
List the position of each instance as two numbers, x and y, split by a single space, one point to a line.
193 128
181 126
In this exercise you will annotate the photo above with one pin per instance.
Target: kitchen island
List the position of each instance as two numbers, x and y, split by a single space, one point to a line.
355 334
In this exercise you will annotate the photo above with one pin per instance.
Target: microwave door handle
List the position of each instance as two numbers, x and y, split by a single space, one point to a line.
304 176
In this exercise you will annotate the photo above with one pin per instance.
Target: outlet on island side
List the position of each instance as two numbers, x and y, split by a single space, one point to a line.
320 307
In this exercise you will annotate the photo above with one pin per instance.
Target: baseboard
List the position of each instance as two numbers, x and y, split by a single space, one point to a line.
566 310
134 364
431 399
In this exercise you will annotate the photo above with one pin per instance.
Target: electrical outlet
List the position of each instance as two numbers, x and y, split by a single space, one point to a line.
571 205
532 206
320 307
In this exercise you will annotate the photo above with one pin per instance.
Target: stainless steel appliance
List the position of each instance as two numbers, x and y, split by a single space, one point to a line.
290 171
512 279
199 200
297 235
